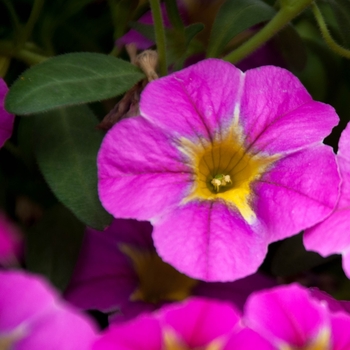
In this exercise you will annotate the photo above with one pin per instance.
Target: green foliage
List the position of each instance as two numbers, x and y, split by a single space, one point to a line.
66 149
53 245
233 18
70 79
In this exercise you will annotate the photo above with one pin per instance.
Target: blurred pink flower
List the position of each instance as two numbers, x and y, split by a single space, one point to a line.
33 317
6 119
194 324
290 317
11 244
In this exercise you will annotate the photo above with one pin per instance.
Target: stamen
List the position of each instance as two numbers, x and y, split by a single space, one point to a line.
220 180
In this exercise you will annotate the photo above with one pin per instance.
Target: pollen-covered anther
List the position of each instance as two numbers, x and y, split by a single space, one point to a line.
220 181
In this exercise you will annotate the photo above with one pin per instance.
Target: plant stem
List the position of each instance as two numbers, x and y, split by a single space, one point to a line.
341 51
288 11
14 18
31 58
160 35
28 28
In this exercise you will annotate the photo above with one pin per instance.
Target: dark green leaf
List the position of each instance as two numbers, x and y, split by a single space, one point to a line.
341 10
192 30
233 18
70 79
53 245
66 150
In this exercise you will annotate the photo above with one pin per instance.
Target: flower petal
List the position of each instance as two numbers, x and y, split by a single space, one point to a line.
104 278
34 317
195 102
293 317
279 115
247 339
143 333
199 322
328 236
221 246
301 190
340 334
137 165
6 119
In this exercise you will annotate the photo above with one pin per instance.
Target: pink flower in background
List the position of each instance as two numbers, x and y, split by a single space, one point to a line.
290 317
331 236
133 36
6 119
32 317
10 242
194 324
119 272
222 163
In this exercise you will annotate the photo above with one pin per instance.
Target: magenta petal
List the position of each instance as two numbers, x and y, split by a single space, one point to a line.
198 321
143 333
301 190
18 306
340 331
6 119
32 312
328 236
286 314
104 278
57 330
221 246
247 339
278 113
137 165
10 241
196 101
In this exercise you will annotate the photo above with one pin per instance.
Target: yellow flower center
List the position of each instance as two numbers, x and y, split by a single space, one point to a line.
158 281
322 342
225 170
173 342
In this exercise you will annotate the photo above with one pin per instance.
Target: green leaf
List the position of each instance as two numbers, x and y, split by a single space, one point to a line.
53 245
192 30
341 10
233 18
67 143
70 79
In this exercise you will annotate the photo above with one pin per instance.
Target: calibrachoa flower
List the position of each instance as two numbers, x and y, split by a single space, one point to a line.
119 272
10 242
6 119
222 163
289 317
32 317
332 235
194 324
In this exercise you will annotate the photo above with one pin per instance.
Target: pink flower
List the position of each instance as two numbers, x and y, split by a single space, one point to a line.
289 317
33 317
6 119
331 236
10 242
222 163
119 272
194 324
